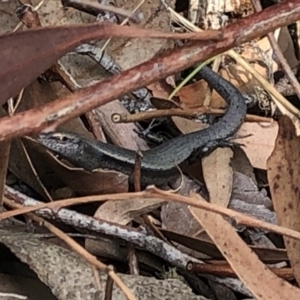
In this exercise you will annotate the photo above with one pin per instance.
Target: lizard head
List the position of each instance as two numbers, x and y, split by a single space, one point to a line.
69 146
64 144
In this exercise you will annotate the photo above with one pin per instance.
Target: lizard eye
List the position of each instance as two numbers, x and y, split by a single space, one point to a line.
59 137
63 138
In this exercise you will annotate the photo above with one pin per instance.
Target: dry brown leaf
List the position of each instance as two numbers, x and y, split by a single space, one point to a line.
160 89
23 62
260 208
252 272
218 175
284 180
260 144
163 103
286 112
123 212
193 96
187 126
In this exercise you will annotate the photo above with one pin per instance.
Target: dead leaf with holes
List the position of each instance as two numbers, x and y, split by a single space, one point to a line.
284 180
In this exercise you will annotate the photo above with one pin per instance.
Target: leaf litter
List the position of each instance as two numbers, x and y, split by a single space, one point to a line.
230 176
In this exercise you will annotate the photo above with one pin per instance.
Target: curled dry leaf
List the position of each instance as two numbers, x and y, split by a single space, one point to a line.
284 180
186 125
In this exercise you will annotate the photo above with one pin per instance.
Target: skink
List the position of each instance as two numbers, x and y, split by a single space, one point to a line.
159 165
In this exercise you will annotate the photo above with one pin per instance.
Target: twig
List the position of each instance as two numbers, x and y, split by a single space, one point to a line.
127 118
131 235
151 192
94 8
61 110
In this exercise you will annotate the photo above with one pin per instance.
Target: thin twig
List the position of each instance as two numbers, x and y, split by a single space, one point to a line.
150 193
142 116
281 59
